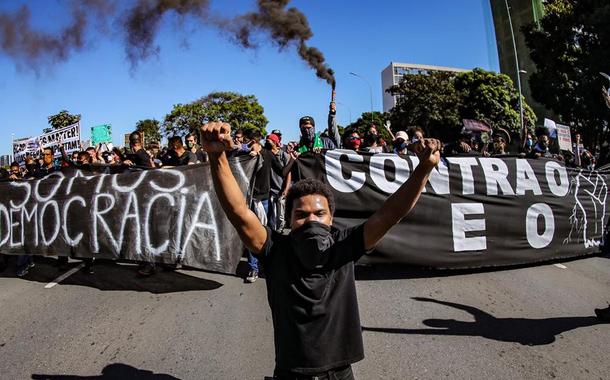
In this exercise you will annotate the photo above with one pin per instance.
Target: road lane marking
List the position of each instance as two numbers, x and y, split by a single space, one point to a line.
64 276
560 266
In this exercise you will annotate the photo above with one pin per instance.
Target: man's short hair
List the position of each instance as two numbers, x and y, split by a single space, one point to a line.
49 148
192 134
135 138
309 186
175 139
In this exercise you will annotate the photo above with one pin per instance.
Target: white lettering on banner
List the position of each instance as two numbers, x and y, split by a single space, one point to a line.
7 219
531 225
131 212
40 198
129 188
379 174
79 174
526 178
334 175
179 184
439 177
56 224
559 189
465 164
72 242
28 193
28 217
13 225
461 225
147 238
496 175
97 215
196 224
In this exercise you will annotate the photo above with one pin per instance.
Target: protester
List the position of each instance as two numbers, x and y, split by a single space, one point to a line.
371 143
459 147
541 148
310 141
500 141
401 143
177 155
352 140
279 184
310 272
192 145
138 156
416 133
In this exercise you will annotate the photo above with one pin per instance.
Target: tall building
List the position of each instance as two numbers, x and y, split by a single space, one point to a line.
522 13
5 160
392 75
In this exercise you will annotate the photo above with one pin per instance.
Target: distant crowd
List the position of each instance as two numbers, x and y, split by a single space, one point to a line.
274 175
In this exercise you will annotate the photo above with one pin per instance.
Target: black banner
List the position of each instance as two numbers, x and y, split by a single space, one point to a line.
475 212
165 215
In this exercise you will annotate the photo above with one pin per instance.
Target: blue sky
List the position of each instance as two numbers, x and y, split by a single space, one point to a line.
355 36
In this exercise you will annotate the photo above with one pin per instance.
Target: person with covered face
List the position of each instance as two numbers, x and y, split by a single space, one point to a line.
310 268
541 148
310 140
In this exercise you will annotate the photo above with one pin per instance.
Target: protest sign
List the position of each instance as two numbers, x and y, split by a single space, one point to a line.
564 137
475 212
101 134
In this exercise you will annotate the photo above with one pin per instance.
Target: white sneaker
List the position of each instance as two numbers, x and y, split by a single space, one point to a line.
252 276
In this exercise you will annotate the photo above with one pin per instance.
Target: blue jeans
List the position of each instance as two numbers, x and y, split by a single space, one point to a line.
252 260
23 261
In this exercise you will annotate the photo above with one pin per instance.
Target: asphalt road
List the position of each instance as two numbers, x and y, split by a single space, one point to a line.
530 323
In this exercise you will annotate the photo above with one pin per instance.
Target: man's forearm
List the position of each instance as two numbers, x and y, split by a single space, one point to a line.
396 207
227 189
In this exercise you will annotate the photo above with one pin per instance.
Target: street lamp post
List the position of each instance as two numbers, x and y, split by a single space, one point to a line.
348 110
370 91
519 71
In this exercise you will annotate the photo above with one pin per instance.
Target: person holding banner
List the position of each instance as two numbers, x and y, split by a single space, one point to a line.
310 271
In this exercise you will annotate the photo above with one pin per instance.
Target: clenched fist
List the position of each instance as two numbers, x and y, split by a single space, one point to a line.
216 137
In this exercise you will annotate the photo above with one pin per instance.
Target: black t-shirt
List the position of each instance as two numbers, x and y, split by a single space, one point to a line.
172 158
140 158
316 322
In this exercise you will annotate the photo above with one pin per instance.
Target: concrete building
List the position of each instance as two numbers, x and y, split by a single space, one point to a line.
522 13
392 75
5 160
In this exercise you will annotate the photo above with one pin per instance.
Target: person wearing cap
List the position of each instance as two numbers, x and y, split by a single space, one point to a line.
278 134
310 140
500 140
401 142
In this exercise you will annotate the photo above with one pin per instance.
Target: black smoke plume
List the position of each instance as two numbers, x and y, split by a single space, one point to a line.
20 41
285 26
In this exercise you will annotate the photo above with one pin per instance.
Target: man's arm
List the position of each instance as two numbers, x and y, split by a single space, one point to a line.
216 138
333 131
399 204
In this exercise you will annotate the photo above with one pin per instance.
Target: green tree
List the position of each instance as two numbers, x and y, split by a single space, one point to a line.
62 119
570 47
492 98
151 128
439 101
241 111
427 101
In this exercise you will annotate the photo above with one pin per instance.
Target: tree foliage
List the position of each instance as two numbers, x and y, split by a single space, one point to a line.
241 111
439 101
151 128
570 47
62 119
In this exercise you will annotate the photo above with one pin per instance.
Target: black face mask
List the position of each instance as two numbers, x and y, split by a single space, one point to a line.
308 134
310 243
371 138
268 145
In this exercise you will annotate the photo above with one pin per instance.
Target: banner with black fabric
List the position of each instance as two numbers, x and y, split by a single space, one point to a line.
475 211
165 215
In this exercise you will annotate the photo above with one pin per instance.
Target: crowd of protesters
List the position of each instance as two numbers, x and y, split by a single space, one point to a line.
274 174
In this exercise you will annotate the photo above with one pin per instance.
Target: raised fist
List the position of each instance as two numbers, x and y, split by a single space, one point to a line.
216 137
589 212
